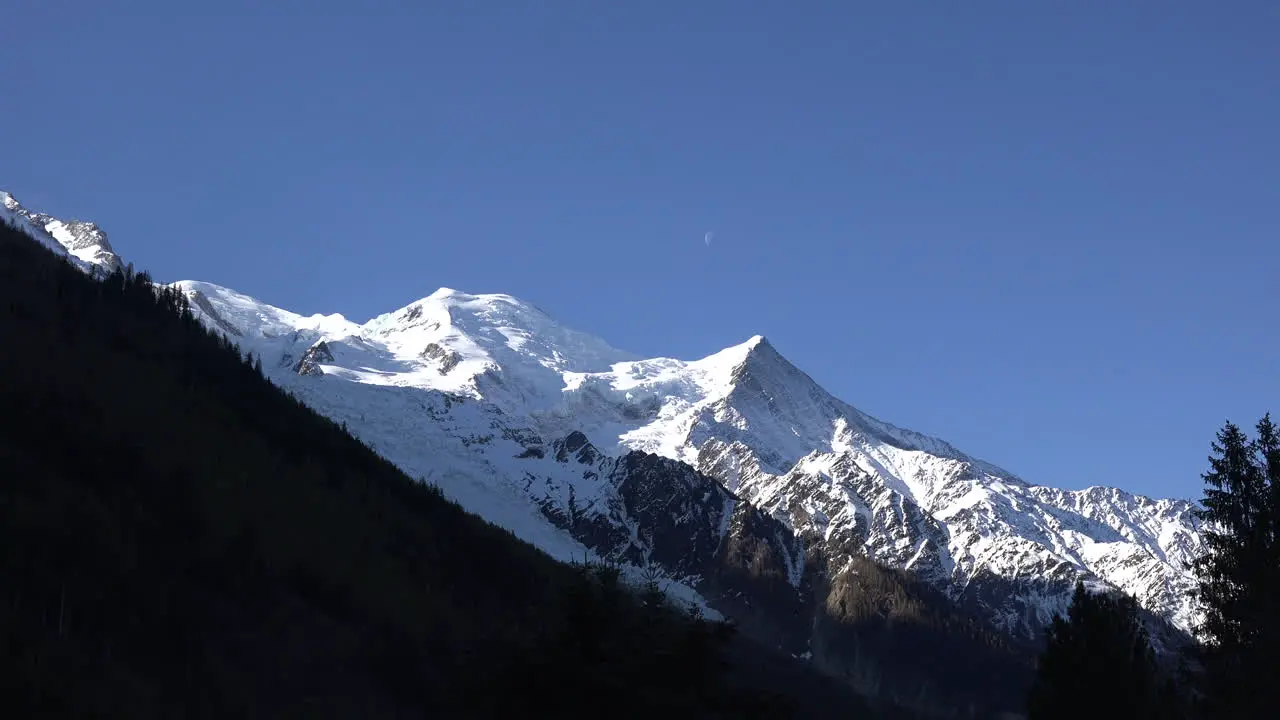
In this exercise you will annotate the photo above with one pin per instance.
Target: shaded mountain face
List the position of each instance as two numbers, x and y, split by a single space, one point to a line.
736 479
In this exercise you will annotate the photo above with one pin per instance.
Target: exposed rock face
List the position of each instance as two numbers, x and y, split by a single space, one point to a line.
83 240
309 363
848 616
447 359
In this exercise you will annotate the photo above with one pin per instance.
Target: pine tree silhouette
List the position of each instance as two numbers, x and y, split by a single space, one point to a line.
1097 662
1239 574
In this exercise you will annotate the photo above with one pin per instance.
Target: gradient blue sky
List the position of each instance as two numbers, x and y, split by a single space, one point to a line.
1046 232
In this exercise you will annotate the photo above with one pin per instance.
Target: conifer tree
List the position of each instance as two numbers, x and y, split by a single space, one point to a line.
1239 572
1097 661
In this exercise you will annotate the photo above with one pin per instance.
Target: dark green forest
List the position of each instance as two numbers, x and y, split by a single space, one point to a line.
181 538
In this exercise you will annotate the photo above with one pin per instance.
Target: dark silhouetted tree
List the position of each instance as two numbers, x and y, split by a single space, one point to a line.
1097 662
1239 574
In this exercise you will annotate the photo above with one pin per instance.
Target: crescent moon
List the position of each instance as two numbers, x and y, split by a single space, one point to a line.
707 238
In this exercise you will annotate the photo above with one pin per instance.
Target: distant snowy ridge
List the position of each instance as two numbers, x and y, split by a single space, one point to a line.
84 242
557 436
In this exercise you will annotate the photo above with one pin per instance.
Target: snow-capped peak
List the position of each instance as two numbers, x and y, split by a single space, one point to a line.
499 325
83 241
239 315
742 350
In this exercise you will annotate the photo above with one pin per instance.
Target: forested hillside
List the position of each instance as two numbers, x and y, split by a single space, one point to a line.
180 538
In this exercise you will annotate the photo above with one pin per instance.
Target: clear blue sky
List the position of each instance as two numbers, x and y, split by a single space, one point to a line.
1046 232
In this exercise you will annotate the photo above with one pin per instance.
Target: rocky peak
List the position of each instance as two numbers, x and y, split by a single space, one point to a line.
81 234
763 370
83 239
577 446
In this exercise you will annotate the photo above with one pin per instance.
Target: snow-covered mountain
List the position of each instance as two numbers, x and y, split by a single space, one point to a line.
83 242
731 475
